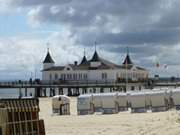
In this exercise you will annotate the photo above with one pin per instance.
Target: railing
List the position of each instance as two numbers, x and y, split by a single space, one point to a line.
68 82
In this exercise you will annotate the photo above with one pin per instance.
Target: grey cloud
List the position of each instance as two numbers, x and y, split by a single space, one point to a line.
145 26
153 37
37 2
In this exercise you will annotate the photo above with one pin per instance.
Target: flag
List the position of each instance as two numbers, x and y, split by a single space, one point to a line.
165 66
157 64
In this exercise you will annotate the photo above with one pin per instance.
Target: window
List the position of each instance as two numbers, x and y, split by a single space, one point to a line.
74 76
85 76
50 76
104 75
62 76
56 76
70 76
79 76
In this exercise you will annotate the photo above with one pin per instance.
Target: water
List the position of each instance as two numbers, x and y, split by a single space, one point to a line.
14 92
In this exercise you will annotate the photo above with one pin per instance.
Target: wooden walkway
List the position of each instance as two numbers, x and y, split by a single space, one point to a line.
73 87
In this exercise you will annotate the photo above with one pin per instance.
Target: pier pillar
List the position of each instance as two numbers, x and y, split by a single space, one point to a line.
54 91
50 92
37 91
94 90
77 93
84 90
44 90
20 93
26 92
101 90
111 90
60 90
90 91
69 92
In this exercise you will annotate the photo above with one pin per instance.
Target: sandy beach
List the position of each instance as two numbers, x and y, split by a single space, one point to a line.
124 123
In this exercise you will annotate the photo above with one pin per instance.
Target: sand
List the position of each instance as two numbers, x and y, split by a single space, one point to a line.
124 123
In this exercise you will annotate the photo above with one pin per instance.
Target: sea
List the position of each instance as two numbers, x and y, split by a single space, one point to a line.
15 92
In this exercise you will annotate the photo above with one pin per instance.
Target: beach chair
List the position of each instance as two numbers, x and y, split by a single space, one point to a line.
97 102
61 105
85 104
138 103
148 99
109 103
176 98
159 101
20 117
122 101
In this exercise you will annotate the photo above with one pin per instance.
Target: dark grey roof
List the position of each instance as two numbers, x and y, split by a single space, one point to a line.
105 64
128 60
54 68
86 66
48 58
83 60
95 57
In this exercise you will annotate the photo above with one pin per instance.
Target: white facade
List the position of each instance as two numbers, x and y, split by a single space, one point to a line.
96 69
93 75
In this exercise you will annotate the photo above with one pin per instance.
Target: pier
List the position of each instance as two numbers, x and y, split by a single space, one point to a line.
75 88
69 88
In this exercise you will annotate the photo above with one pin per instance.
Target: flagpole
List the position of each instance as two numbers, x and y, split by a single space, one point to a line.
126 73
126 78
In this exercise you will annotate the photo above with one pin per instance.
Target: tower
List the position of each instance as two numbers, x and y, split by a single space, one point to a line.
84 60
48 61
128 60
95 61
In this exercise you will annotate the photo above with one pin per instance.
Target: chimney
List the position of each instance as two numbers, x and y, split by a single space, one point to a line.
75 63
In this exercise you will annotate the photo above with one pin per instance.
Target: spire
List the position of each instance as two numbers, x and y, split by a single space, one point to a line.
48 58
127 59
84 58
95 56
127 49
95 45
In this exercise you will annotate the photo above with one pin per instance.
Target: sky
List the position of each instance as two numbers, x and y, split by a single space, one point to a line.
149 28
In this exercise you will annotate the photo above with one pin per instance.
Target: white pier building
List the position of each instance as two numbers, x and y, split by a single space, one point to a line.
95 70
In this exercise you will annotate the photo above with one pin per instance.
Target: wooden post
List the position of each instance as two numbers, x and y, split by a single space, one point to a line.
26 92
49 92
60 91
37 91
94 90
54 91
45 92
110 89
77 91
101 90
69 92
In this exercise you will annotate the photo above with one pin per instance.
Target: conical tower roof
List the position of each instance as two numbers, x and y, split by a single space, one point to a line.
84 60
48 58
128 60
95 57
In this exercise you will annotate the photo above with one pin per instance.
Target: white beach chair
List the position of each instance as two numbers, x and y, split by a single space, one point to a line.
122 101
158 101
137 101
85 104
176 98
109 103
97 102
61 104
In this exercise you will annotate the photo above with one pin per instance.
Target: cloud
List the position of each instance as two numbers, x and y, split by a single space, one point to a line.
151 29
